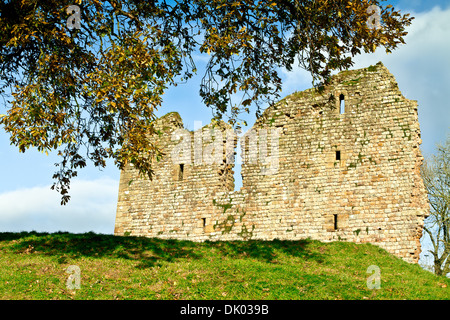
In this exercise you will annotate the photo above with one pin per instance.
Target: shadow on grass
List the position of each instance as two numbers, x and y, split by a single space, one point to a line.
150 251
267 251
64 246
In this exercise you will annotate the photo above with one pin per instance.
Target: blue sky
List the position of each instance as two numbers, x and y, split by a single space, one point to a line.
421 67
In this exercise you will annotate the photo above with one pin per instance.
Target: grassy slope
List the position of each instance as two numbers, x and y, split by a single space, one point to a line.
32 266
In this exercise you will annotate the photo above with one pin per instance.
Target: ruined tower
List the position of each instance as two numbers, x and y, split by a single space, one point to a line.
343 164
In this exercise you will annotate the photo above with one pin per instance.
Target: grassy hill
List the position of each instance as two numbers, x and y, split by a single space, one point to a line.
33 266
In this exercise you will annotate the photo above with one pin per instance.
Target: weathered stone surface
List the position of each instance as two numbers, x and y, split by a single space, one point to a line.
327 176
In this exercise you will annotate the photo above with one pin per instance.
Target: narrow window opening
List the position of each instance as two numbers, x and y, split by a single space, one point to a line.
335 221
338 156
237 175
181 172
204 222
341 104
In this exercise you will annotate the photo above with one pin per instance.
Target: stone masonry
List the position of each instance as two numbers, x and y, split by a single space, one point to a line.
342 164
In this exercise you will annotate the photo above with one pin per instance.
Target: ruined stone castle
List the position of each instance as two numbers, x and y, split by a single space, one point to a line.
342 164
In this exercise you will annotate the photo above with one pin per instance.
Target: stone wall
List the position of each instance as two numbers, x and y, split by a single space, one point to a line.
310 169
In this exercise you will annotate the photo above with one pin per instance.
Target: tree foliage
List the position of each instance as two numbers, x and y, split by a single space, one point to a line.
436 176
91 93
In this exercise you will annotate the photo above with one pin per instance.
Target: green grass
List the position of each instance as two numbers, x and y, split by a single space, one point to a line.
33 266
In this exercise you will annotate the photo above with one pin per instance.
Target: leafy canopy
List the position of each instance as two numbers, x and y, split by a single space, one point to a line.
91 93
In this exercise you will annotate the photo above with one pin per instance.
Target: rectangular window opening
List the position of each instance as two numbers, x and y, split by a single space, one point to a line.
338 156
181 172
341 104
237 174
204 222
335 221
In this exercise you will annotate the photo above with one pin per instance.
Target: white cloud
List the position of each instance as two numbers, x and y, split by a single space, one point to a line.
92 208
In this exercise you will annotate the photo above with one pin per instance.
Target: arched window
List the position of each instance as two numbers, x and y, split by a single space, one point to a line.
341 104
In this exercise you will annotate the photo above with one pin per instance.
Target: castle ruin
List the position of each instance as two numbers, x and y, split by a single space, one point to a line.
342 164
